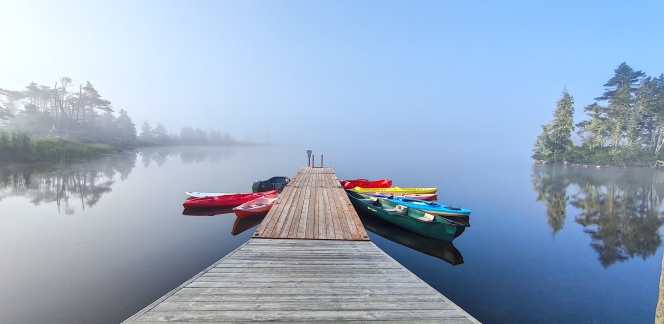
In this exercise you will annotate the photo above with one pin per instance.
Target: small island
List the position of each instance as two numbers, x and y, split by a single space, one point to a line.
625 125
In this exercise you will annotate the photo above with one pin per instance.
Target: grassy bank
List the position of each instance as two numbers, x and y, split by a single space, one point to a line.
18 146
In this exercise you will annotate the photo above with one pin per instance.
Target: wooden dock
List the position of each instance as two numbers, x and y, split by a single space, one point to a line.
313 206
309 261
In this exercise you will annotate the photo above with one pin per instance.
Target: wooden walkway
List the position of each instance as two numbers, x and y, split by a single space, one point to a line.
310 261
304 281
313 206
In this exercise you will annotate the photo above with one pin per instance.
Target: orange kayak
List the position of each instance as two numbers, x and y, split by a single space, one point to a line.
257 206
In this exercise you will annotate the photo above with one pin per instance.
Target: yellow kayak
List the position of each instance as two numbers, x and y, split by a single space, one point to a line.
398 190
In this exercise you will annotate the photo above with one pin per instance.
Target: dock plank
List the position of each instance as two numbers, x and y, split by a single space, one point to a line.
267 283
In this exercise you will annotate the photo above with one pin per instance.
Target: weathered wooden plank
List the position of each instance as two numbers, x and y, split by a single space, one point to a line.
324 291
284 315
347 208
408 321
290 216
337 284
363 284
308 271
274 216
336 215
192 296
290 231
285 305
307 276
311 212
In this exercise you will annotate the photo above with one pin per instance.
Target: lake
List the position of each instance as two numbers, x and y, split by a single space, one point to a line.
95 242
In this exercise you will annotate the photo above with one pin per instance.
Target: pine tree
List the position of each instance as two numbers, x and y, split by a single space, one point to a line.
619 93
556 137
146 131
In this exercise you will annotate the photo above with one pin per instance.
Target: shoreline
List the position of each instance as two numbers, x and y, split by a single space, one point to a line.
657 166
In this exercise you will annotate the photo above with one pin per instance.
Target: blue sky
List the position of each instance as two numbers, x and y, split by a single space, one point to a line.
460 76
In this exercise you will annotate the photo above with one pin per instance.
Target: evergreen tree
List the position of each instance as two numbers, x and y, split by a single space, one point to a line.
556 137
126 128
160 133
146 131
620 94
594 131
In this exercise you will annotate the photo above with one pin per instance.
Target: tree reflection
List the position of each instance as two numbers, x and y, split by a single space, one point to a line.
81 185
621 210
186 154
68 185
551 187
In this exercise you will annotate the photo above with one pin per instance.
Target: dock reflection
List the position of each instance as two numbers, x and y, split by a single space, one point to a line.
437 248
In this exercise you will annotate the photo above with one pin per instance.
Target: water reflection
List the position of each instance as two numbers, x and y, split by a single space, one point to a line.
551 188
81 185
213 211
245 223
621 210
68 185
186 154
437 248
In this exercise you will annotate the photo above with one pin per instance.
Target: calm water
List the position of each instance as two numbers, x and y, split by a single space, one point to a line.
95 242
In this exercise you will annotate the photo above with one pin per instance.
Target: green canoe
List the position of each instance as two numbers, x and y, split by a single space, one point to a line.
409 218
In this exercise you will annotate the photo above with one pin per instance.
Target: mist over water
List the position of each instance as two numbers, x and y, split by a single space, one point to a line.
99 240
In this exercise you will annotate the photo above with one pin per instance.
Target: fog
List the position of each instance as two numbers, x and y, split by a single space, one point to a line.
465 79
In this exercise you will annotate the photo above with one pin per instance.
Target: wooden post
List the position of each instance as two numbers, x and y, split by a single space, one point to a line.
659 311
309 161
321 160
313 159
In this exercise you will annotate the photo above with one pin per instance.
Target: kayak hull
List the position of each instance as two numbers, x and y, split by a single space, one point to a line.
196 194
257 206
225 200
409 218
429 197
430 207
364 183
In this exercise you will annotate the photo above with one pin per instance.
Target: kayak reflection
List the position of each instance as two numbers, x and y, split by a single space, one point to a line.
245 223
437 248
207 211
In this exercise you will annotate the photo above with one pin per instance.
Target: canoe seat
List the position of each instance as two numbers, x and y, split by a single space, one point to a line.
390 210
428 217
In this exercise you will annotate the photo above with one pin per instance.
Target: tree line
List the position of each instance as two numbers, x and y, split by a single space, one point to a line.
624 126
78 113
38 120
187 136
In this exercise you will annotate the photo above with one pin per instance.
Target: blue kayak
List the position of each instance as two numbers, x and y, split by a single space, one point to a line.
427 206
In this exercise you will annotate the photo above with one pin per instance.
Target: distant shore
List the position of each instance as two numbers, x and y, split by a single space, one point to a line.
657 165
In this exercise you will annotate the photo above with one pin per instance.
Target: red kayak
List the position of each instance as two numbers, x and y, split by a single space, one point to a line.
432 196
364 183
260 205
225 200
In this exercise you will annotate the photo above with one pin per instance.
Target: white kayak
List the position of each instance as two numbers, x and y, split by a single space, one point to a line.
196 194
